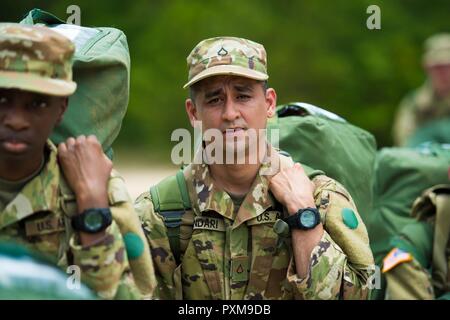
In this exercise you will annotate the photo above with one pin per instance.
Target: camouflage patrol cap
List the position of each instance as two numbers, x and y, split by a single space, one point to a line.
35 59
227 56
437 49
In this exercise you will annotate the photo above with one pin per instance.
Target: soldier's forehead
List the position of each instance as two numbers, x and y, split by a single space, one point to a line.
216 82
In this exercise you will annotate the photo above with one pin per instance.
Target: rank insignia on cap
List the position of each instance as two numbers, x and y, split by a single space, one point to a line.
222 52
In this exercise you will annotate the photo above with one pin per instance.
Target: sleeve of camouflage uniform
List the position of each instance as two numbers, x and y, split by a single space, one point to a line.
165 266
104 265
408 281
341 263
405 267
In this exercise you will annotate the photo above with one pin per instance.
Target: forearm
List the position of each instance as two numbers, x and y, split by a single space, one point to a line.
329 275
103 264
303 243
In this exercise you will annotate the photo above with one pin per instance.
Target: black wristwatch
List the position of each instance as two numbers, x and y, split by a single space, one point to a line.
304 219
92 220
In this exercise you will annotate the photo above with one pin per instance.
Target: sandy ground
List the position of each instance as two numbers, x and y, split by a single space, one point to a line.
140 178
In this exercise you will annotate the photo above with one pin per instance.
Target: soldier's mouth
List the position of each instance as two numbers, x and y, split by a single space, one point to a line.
14 145
234 132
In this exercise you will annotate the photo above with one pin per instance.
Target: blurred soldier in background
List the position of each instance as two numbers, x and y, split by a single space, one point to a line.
431 102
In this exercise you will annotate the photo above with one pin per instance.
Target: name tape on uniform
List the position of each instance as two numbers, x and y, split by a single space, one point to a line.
208 223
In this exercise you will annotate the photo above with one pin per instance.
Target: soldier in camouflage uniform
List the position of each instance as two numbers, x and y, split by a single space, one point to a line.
417 267
42 187
233 242
431 101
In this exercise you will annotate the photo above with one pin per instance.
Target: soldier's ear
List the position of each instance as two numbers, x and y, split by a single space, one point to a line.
191 111
271 101
63 104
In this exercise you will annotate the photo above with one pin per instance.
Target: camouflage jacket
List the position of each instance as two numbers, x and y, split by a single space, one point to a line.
416 109
37 218
243 258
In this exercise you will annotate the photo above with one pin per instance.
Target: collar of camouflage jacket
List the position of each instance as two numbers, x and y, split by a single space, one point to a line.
207 196
40 194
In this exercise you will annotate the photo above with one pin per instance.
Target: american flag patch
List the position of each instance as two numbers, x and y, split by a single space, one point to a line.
394 258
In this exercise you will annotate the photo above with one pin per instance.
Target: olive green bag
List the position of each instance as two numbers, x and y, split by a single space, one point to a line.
401 175
325 141
101 69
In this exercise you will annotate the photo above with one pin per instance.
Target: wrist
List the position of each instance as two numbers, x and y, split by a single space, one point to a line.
296 204
86 200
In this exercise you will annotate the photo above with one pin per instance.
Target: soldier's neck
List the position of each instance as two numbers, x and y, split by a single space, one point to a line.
234 178
14 169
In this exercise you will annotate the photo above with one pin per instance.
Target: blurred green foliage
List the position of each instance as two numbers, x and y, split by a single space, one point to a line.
319 52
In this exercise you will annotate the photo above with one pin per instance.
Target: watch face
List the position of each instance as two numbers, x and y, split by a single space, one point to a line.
93 220
308 219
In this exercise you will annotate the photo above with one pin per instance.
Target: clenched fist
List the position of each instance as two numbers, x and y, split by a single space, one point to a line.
87 171
293 189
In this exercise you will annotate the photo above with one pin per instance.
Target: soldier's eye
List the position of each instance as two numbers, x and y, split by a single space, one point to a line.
213 101
40 104
243 97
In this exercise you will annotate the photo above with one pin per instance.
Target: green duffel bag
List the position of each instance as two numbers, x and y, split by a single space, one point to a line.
327 142
101 69
436 131
401 175
25 275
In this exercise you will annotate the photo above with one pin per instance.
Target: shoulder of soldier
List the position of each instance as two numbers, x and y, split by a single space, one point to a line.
143 206
416 98
341 220
323 182
117 190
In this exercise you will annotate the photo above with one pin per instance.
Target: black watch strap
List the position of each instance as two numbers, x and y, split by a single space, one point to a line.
294 220
92 220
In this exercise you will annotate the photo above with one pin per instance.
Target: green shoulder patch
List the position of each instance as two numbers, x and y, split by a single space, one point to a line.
133 245
349 218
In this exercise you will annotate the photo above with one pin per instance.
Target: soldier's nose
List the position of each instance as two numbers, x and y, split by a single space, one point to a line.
16 119
230 112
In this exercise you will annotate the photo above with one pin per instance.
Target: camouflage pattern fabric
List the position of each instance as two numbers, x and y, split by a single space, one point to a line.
239 256
227 55
35 59
36 219
409 281
419 108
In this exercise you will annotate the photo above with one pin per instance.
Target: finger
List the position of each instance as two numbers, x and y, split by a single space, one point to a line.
62 148
92 138
298 166
70 143
81 139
